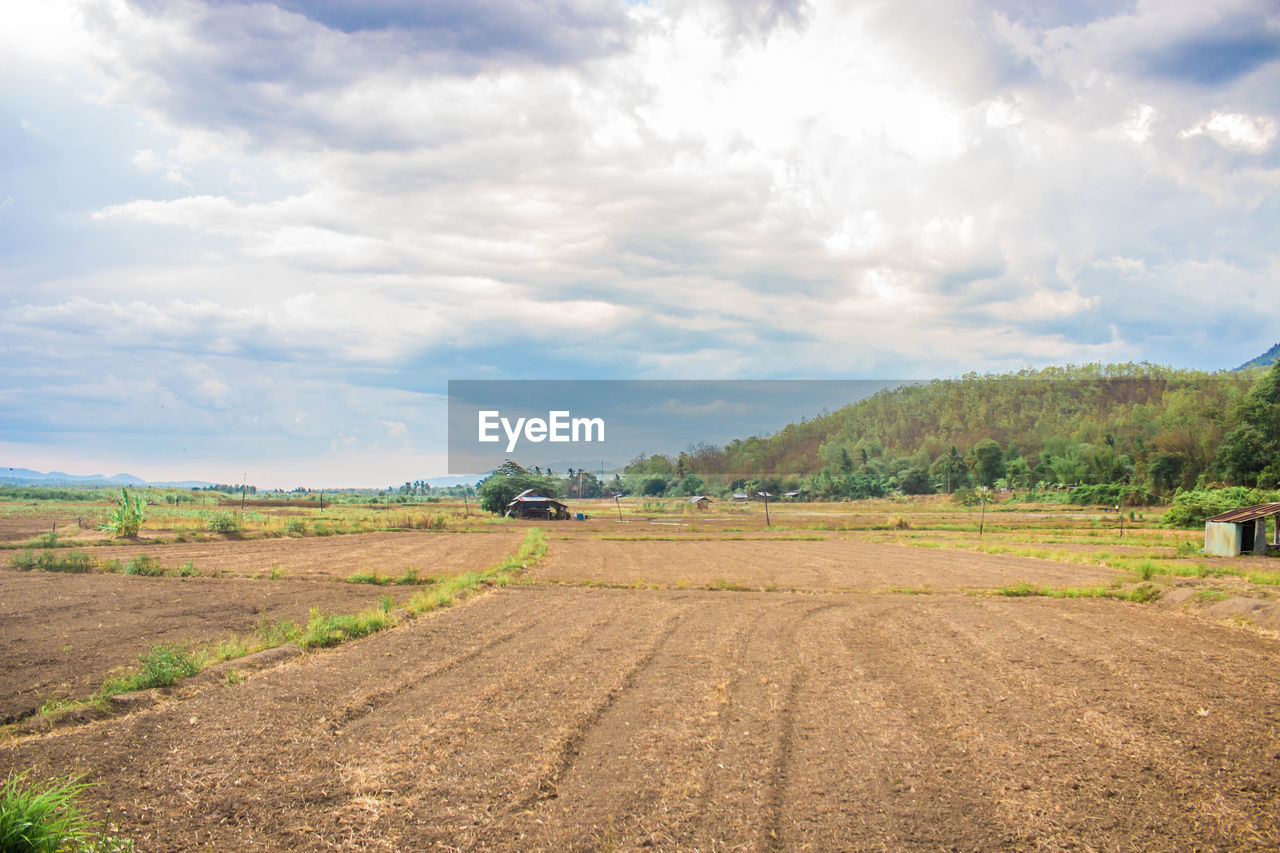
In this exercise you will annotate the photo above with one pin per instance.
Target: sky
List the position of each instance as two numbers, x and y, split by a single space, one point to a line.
254 240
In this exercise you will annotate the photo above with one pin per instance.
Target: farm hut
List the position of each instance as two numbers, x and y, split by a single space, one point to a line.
530 504
1238 531
792 495
739 496
700 501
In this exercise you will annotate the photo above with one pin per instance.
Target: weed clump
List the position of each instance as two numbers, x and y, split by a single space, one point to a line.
44 818
160 667
144 565
75 562
322 631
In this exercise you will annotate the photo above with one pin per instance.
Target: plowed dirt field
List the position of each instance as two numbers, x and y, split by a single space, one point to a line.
330 557
63 633
570 718
806 564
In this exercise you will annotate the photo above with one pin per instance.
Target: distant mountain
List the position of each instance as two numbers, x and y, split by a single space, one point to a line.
1268 357
27 477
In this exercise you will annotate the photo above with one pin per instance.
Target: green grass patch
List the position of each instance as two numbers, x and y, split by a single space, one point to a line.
43 817
160 667
1211 595
444 591
323 631
369 577
1267 578
1025 589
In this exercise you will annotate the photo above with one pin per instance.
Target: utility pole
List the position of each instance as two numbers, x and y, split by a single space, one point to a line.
619 506
982 493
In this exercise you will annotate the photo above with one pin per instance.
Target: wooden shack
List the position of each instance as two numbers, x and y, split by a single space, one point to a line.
1241 531
530 504
700 501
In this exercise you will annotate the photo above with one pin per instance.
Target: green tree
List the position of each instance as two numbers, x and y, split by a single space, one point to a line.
692 484
510 479
1250 453
988 461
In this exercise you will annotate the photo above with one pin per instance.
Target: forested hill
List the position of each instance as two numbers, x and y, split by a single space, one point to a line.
1266 359
1140 424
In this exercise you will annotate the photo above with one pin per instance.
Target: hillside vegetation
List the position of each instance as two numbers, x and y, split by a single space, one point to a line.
1132 432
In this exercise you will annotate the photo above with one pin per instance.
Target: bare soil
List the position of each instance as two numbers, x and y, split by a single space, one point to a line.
571 718
330 557
806 564
63 633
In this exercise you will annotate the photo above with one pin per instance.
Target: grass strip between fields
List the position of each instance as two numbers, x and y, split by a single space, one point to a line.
164 665
1023 589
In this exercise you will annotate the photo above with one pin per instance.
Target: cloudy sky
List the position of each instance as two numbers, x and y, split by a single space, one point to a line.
258 238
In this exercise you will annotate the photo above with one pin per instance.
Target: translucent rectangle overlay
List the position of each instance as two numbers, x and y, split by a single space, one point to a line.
601 425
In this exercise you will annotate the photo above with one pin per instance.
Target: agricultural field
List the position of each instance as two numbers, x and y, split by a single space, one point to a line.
873 676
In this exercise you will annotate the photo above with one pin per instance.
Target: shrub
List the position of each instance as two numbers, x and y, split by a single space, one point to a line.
45 540
295 527
145 566
222 522
1190 509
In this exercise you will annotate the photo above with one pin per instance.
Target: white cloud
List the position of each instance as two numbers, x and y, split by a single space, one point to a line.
1234 130
670 189
1130 268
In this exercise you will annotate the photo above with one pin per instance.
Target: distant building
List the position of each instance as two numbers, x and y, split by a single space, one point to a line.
700 501
530 504
740 496
1241 531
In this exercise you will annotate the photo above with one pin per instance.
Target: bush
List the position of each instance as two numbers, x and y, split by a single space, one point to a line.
145 566
1190 509
295 527
222 522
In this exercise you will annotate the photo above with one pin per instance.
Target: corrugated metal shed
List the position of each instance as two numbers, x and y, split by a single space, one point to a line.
1247 513
1231 533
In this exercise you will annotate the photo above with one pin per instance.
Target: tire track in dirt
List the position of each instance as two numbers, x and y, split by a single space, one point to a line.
1216 778
871 773
1142 777
741 804
518 721
379 699
639 773
770 837
572 742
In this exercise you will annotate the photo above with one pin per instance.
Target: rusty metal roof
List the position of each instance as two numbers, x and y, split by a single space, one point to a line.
1247 513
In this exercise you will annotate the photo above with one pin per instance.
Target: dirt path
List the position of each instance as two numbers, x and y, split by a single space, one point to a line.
802 564
568 718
